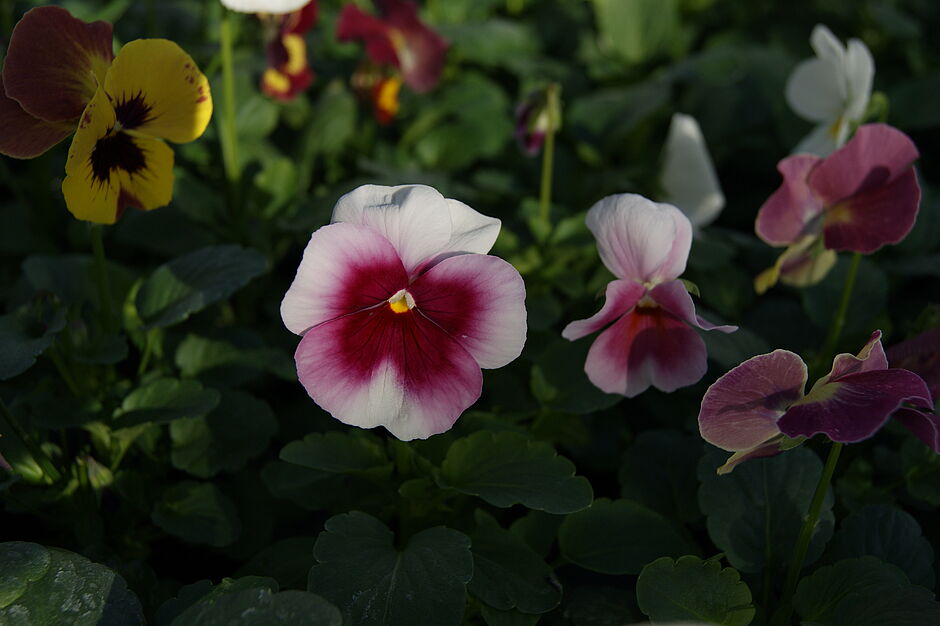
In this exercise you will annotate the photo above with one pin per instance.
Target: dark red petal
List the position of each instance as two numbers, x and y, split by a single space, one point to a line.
925 426
23 136
354 23
421 51
921 355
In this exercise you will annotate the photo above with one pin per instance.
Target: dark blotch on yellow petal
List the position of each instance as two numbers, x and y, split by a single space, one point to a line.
116 151
132 112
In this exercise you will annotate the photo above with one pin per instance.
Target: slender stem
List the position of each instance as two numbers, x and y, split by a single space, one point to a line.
101 278
229 134
148 351
48 467
548 155
806 532
838 321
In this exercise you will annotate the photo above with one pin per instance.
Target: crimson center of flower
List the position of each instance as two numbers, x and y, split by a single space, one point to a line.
401 302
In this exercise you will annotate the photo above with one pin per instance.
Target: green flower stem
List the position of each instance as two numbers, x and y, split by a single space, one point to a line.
48 467
229 132
101 279
548 156
806 533
838 321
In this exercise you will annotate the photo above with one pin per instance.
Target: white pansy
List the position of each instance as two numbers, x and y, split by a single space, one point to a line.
264 6
831 89
688 178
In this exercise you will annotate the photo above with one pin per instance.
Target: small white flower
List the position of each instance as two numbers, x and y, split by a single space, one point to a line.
688 177
832 89
274 7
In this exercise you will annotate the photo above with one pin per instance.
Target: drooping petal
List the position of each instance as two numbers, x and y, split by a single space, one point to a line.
816 90
854 407
875 156
264 6
420 51
688 176
639 239
921 355
619 298
790 211
859 72
675 299
381 368
871 219
156 89
25 136
345 268
740 411
55 63
924 425
826 45
870 357
479 301
647 346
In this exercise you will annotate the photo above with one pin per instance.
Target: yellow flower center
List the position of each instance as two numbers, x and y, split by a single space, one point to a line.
296 53
401 302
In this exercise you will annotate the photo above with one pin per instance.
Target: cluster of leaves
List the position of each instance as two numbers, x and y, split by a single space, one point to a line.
174 448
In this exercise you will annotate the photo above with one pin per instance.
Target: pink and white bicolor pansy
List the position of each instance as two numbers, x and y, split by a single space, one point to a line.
399 307
861 197
755 407
651 316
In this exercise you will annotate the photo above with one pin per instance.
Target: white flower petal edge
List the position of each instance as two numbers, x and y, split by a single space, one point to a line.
264 6
688 176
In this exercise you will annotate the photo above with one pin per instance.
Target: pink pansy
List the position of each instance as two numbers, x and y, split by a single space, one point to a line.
399 307
859 198
754 407
397 38
650 339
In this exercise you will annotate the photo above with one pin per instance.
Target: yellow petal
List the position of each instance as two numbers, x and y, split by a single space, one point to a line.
156 89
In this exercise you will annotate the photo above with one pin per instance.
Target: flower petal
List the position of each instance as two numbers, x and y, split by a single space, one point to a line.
806 262
479 301
345 268
156 89
854 407
826 45
25 136
789 212
816 90
647 346
420 50
768 448
859 73
740 410
55 63
824 139
675 299
620 297
639 239
870 357
924 425
415 219
921 355
380 368
264 6
354 23
470 231
688 176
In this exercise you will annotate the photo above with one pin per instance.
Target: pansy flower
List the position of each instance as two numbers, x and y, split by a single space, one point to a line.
859 198
380 88
831 89
397 38
688 178
274 7
399 307
753 408
921 355
288 72
53 66
651 317
152 92
533 121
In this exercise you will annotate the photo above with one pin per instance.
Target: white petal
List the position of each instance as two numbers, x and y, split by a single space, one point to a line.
264 6
821 141
859 72
688 178
472 231
826 45
816 90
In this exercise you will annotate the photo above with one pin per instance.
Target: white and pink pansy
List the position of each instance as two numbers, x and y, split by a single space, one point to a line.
650 339
399 307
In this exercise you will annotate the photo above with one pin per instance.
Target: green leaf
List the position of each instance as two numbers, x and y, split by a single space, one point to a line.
890 534
731 349
507 468
338 452
71 277
197 513
866 303
361 571
755 513
41 585
197 355
619 537
659 471
238 429
559 380
495 617
193 281
165 400
863 592
25 334
495 42
256 117
638 29
691 589
287 561
507 573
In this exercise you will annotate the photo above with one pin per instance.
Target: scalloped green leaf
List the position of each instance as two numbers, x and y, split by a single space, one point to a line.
197 513
164 400
338 452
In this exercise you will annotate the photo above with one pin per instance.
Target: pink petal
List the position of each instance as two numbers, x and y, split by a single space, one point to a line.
54 63
877 216
25 136
855 407
620 297
421 52
639 239
924 425
740 410
479 301
675 298
647 346
789 211
870 357
921 355
345 268
875 156
380 368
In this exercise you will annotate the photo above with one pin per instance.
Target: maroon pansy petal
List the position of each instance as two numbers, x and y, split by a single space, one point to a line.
874 217
354 23
300 21
619 298
855 407
421 52
55 62
924 425
788 212
675 298
740 410
24 136
921 355
875 156
870 357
